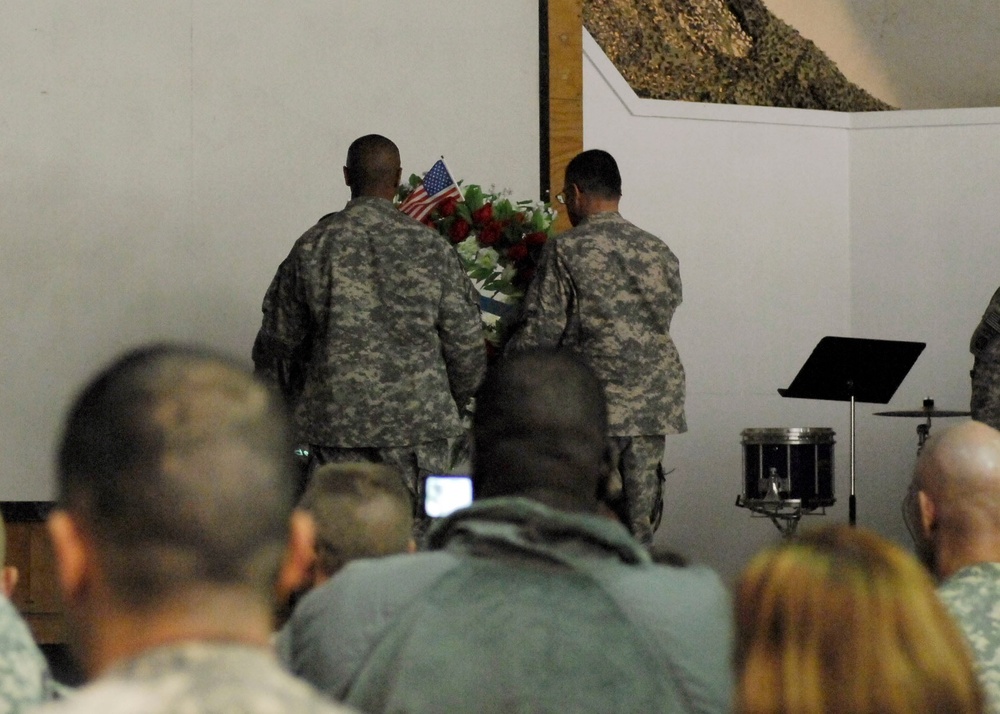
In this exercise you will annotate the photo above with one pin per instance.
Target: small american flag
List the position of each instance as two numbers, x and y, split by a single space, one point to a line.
438 186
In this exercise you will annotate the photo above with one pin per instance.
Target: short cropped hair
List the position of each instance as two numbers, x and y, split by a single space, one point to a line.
840 620
372 164
179 463
596 172
540 424
362 510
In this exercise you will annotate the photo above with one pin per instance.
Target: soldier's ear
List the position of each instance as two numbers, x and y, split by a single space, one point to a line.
300 555
347 176
928 514
72 553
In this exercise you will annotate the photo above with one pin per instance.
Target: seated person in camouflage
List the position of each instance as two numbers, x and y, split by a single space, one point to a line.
985 348
361 511
529 599
173 531
957 482
371 330
25 679
607 290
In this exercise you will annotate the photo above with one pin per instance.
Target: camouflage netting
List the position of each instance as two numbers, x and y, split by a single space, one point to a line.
719 51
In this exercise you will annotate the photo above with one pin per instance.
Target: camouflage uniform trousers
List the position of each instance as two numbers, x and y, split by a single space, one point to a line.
985 405
638 462
414 464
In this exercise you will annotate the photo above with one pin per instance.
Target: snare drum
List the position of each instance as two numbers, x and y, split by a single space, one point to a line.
793 464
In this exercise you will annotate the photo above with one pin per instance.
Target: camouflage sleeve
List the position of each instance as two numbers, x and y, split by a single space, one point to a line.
547 306
25 679
461 333
282 344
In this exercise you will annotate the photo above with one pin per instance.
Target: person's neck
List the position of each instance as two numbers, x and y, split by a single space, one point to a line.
597 205
952 555
385 194
203 615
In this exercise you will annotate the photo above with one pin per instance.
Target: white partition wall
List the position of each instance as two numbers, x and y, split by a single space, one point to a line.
791 225
159 158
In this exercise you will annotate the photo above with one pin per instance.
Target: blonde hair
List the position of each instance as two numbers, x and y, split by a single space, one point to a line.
841 620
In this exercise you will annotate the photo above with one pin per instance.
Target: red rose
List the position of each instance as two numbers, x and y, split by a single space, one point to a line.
536 238
483 214
448 207
518 251
490 233
523 277
459 230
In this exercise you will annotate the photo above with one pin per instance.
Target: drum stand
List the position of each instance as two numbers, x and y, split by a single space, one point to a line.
848 369
784 513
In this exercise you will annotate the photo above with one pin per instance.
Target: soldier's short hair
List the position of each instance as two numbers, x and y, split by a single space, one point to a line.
372 164
596 172
178 463
362 510
540 424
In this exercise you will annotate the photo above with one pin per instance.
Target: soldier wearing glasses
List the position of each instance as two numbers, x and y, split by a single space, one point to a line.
607 291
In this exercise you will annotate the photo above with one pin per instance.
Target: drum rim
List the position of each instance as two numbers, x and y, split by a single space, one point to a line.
789 435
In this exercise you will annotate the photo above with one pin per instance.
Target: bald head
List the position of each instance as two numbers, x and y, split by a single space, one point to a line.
958 477
539 431
372 167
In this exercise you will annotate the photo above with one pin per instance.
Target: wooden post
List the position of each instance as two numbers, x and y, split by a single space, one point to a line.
561 86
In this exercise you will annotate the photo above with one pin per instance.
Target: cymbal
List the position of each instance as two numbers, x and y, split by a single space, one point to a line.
930 413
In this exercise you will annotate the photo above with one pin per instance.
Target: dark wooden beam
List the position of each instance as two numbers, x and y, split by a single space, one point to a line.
561 86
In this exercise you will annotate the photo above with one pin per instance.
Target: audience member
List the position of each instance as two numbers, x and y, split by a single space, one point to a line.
957 481
361 510
173 531
371 330
528 600
840 620
25 678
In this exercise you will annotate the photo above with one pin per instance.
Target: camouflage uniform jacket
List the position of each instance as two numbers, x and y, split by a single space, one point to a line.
972 595
372 330
25 679
607 290
985 347
197 678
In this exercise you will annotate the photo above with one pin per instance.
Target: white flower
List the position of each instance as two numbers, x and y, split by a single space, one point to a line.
487 259
467 249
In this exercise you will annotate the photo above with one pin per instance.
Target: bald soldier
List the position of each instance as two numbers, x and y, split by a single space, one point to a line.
957 482
371 330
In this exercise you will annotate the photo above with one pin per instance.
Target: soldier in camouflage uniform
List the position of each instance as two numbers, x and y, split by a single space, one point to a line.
958 486
25 678
372 331
174 531
607 290
985 347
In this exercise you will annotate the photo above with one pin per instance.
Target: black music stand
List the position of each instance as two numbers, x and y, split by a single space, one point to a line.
851 369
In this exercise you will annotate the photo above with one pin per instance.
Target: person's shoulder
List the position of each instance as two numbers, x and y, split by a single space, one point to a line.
981 580
197 678
374 583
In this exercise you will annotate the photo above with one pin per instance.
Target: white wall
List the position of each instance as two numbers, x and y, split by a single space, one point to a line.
159 159
791 225
924 263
